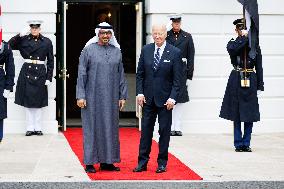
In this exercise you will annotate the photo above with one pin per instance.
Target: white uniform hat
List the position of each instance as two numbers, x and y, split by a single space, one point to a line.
175 17
35 23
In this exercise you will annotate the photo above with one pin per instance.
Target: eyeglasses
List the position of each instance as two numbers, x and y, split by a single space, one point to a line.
105 33
158 34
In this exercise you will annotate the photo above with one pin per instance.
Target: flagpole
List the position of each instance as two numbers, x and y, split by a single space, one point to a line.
245 49
0 26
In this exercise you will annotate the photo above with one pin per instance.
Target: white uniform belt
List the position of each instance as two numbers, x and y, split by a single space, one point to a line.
34 61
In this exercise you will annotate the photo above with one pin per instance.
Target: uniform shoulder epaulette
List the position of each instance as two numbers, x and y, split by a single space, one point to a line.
186 34
168 33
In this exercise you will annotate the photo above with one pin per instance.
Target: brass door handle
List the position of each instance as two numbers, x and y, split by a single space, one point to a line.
64 75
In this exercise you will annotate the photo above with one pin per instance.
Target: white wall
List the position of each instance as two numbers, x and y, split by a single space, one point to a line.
210 23
15 15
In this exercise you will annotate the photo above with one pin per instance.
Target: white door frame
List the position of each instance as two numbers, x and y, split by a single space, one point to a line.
64 70
139 43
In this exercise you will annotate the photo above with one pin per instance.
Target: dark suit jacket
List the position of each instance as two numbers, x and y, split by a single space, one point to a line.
163 83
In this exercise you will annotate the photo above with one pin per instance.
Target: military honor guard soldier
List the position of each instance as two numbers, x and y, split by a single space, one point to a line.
182 40
36 73
7 74
240 102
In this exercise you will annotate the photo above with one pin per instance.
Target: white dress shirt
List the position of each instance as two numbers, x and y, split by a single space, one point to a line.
162 48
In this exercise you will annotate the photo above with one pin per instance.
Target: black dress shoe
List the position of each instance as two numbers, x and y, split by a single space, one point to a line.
90 169
238 149
173 133
247 149
29 133
140 169
38 133
178 133
108 167
161 169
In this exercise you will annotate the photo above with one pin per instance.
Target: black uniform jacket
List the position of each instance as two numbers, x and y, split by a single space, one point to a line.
31 91
241 103
185 43
7 74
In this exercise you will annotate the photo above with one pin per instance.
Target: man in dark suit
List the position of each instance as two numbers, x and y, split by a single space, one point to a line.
182 40
157 86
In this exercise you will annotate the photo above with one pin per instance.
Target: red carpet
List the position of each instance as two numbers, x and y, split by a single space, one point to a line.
129 143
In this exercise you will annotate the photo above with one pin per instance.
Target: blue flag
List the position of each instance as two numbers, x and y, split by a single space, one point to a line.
252 8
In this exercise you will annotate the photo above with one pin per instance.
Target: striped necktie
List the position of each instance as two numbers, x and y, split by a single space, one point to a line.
156 59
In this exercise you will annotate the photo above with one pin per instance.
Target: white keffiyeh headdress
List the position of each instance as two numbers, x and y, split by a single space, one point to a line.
106 27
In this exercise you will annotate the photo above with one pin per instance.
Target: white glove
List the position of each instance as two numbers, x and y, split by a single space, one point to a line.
47 82
24 32
6 93
188 82
244 32
258 93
